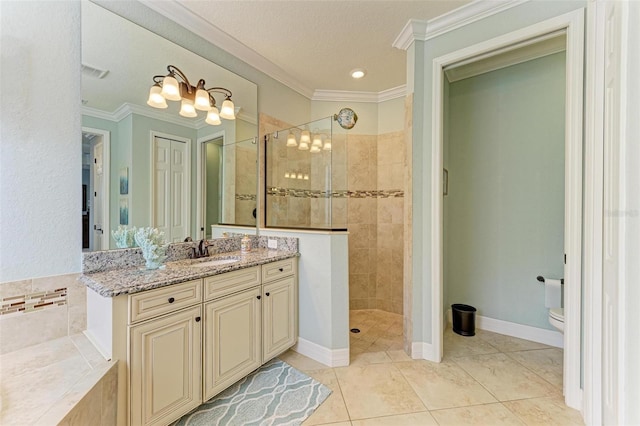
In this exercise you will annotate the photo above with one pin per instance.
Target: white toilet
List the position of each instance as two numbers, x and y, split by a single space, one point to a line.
556 318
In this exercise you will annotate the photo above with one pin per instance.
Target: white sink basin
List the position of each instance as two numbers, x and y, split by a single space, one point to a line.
216 262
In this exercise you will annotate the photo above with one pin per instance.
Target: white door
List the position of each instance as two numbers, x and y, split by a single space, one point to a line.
611 221
98 195
171 196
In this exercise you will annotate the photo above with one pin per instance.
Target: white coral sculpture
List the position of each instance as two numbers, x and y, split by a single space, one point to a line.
124 236
152 243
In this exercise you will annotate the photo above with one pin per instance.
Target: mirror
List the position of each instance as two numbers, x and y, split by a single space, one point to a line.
152 160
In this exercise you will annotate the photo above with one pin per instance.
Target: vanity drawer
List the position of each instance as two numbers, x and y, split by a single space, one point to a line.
276 270
231 282
151 303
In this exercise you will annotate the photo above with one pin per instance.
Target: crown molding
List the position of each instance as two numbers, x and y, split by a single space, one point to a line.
364 97
464 15
179 14
414 29
393 93
126 109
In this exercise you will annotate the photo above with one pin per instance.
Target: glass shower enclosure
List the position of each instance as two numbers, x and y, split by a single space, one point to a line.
306 177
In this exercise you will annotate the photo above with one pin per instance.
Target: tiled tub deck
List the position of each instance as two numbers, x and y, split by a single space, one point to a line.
62 381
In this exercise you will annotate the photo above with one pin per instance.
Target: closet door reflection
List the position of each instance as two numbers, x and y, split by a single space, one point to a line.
212 166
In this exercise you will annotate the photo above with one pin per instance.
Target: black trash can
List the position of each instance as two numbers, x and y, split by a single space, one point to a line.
464 319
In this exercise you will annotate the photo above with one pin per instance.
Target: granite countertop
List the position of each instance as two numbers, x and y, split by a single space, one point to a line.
120 281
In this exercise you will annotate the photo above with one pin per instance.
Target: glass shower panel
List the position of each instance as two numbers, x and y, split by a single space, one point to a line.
306 177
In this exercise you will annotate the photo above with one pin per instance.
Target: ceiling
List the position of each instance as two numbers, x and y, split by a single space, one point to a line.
315 43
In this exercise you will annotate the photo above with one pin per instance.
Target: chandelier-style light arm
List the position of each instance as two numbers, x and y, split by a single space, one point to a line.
173 70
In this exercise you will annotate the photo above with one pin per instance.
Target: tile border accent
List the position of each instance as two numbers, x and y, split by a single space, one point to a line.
33 302
246 197
338 193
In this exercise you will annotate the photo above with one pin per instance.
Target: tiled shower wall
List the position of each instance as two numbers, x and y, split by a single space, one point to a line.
376 166
375 215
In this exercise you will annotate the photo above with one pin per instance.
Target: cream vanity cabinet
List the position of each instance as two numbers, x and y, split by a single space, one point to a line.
184 343
165 356
248 328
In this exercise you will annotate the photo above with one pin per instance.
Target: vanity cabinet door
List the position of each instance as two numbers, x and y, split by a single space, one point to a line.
165 365
280 314
232 342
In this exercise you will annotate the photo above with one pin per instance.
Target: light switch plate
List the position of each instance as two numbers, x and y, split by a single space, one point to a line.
272 244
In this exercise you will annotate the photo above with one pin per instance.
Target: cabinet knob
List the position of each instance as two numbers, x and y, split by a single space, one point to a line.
258 297
197 319
267 294
171 300
281 269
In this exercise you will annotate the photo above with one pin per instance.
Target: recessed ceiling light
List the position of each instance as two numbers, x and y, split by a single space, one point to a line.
358 73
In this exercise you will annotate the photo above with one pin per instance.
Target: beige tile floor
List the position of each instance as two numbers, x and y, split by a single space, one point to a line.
487 379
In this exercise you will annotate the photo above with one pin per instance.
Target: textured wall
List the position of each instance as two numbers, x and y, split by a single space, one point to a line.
40 169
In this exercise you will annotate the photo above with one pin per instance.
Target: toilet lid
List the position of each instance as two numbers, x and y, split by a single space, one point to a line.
557 314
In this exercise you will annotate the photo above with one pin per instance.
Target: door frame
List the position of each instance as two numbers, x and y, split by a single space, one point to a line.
199 177
106 184
573 24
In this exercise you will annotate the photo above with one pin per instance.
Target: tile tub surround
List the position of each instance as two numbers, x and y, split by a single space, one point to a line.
54 307
136 279
62 381
386 387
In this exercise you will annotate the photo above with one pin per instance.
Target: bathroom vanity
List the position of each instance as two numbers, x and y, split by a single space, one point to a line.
184 334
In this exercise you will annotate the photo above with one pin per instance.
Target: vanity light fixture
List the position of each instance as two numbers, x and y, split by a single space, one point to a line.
305 138
291 140
176 87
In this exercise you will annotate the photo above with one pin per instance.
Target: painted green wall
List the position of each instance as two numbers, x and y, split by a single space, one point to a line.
505 208
420 58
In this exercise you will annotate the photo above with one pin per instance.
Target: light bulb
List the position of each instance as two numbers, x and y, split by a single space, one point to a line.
187 109
156 99
299 175
317 141
286 175
327 145
170 88
306 177
305 137
304 146
227 111
213 117
291 140
202 100
315 148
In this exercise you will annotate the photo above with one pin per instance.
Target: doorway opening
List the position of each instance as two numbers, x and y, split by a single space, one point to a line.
95 189
571 25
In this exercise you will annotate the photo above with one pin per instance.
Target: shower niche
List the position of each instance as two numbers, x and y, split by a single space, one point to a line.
306 177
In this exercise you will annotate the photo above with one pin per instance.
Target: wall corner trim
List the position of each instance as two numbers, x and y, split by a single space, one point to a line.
423 350
464 15
326 356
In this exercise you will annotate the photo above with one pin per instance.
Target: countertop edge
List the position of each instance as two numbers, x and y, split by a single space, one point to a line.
93 280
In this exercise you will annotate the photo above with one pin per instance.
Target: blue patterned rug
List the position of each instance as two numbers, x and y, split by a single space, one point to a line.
274 394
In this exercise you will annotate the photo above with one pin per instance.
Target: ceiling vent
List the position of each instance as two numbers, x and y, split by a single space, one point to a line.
93 72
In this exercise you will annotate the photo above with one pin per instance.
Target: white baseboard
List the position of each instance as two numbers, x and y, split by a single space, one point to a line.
326 356
422 350
535 334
